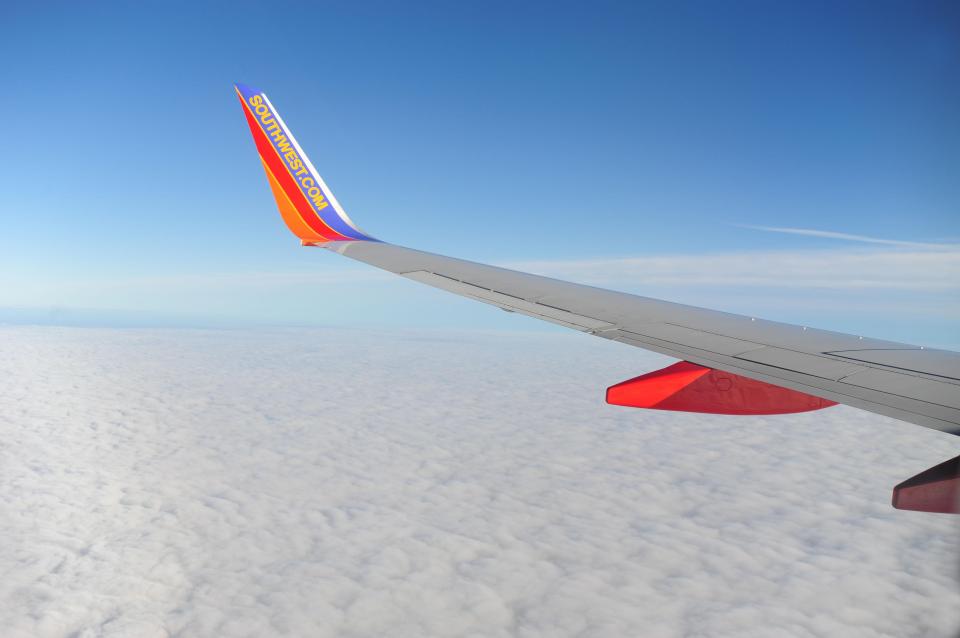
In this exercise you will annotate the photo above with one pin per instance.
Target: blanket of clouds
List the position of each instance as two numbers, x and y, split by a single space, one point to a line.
346 483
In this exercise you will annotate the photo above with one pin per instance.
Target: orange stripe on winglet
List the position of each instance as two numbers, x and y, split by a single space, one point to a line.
288 211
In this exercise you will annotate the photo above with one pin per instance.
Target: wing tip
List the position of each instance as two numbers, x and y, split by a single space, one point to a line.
245 89
306 203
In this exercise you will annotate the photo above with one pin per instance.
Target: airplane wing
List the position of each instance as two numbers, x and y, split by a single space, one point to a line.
730 364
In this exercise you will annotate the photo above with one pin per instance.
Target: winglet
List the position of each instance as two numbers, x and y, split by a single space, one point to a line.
306 203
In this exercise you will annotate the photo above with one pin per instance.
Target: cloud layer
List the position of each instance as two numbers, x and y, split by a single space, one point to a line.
338 483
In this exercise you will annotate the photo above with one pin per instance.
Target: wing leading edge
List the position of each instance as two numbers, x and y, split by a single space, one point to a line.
911 383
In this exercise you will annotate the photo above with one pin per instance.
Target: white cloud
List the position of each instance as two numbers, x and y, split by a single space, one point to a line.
338 483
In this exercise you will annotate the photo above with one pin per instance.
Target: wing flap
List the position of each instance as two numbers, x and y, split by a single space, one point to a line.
811 364
940 363
907 386
711 342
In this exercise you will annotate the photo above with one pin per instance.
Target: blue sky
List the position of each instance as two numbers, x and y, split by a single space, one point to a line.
601 142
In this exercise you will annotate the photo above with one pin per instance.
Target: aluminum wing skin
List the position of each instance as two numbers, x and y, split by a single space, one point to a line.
906 382
914 384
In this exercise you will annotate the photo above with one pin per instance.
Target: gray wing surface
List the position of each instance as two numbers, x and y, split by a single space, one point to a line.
911 383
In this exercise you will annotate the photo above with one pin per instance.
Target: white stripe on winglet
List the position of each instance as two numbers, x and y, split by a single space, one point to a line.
306 160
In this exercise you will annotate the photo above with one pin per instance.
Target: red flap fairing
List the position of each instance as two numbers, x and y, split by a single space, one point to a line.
688 387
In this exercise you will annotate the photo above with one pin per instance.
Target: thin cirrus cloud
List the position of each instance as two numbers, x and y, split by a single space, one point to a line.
829 234
929 270
877 278
903 265
251 279
908 270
